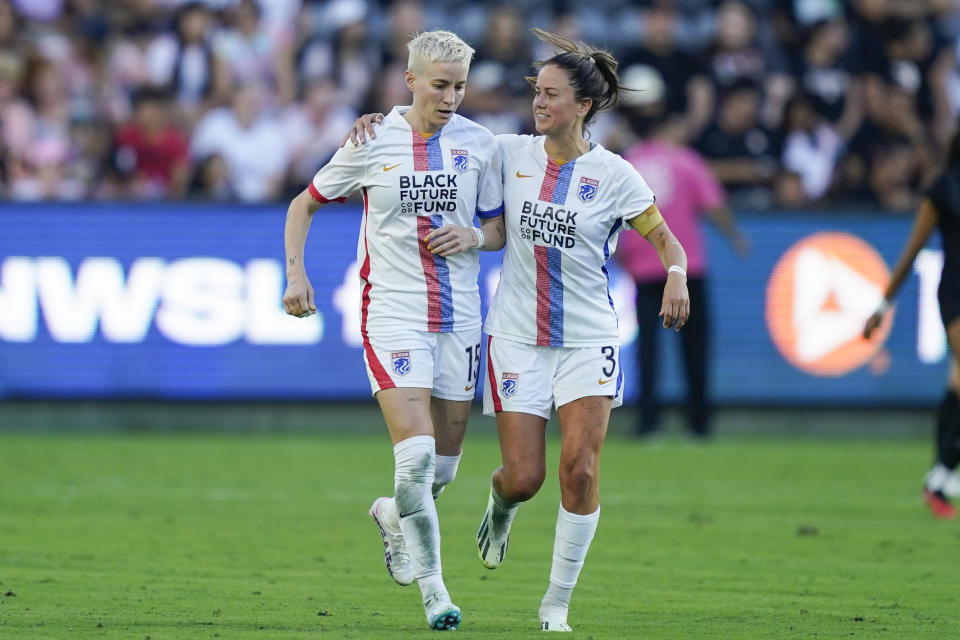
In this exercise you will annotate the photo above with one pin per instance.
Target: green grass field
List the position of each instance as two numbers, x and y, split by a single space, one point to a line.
171 535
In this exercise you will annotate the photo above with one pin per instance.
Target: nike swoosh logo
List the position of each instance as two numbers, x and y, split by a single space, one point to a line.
520 175
599 381
407 515
470 387
385 168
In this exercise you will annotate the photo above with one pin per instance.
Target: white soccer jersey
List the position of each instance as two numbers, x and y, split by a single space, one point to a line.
562 225
412 185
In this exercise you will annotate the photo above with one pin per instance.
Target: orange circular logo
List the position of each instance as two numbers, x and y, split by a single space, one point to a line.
819 295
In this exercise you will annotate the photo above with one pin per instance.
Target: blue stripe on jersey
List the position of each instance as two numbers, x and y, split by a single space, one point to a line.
492 213
563 183
443 276
556 296
434 152
606 256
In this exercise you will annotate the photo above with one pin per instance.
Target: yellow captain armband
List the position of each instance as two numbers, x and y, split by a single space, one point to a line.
647 221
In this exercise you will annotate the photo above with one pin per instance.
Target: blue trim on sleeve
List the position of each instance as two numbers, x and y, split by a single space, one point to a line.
492 213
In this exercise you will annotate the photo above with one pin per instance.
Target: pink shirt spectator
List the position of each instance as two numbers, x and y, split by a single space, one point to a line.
685 187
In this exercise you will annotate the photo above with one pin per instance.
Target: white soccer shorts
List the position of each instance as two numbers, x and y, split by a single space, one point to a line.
532 379
446 363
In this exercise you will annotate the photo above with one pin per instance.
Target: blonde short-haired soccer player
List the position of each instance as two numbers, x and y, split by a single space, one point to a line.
423 178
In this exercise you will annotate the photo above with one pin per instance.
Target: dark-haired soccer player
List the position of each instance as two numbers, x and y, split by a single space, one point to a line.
940 209
553 331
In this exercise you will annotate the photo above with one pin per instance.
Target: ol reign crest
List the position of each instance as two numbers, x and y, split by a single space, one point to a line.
460 159
401 362
588 189
508 384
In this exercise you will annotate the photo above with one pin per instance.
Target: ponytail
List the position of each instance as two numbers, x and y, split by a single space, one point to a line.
593 72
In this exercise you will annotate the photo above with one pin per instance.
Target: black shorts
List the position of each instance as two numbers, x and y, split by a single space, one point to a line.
948 295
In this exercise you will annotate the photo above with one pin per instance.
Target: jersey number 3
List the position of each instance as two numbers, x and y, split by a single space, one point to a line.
610 354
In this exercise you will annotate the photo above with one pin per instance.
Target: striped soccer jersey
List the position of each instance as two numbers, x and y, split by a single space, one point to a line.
562 225
412 185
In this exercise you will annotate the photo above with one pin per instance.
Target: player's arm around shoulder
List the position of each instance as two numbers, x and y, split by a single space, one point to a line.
364 128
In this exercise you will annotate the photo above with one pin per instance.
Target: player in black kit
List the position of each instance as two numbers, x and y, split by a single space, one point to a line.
940 208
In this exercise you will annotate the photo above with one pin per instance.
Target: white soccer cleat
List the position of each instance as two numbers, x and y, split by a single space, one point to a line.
553 619
491 542
442 615
395 554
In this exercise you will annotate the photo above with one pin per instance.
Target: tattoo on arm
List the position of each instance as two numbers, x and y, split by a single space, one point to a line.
293 260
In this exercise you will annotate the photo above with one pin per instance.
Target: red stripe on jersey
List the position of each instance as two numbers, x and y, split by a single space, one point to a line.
549 180
434 303
492 378
319 197
379 371
421 158
543 296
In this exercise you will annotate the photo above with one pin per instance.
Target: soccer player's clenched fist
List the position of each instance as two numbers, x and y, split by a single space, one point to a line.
298 298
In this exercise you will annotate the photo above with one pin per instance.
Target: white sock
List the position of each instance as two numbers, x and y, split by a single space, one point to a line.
445 473
502 515
574 534
431 585
413 476
937 477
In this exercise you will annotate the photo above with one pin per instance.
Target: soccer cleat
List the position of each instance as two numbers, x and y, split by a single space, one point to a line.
395 554
951 485
553 619
491 547
939 505
442 615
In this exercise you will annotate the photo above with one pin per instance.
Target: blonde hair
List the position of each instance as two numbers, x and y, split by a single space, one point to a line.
437 46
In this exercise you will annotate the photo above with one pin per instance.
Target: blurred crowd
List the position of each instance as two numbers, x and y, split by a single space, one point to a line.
794 103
